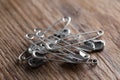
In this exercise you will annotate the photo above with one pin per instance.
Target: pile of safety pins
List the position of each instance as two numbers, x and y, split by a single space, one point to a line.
62 45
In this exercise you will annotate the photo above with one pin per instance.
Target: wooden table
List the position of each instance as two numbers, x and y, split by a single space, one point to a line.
18 17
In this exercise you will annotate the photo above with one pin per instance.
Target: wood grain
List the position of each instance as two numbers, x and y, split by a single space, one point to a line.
18 17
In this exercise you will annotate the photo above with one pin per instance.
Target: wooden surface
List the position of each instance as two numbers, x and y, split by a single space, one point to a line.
18 17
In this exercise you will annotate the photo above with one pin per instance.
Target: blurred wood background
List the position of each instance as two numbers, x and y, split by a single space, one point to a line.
18 17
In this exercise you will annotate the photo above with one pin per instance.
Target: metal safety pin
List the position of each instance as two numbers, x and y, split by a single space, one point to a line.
68 20
99 34
64 19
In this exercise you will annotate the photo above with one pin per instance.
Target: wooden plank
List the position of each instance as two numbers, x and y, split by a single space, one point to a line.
18 17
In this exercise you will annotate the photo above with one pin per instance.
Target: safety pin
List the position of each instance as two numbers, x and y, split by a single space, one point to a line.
63 58
99 34
68 19
64 19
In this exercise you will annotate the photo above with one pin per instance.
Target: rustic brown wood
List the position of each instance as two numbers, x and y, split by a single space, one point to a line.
18 17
